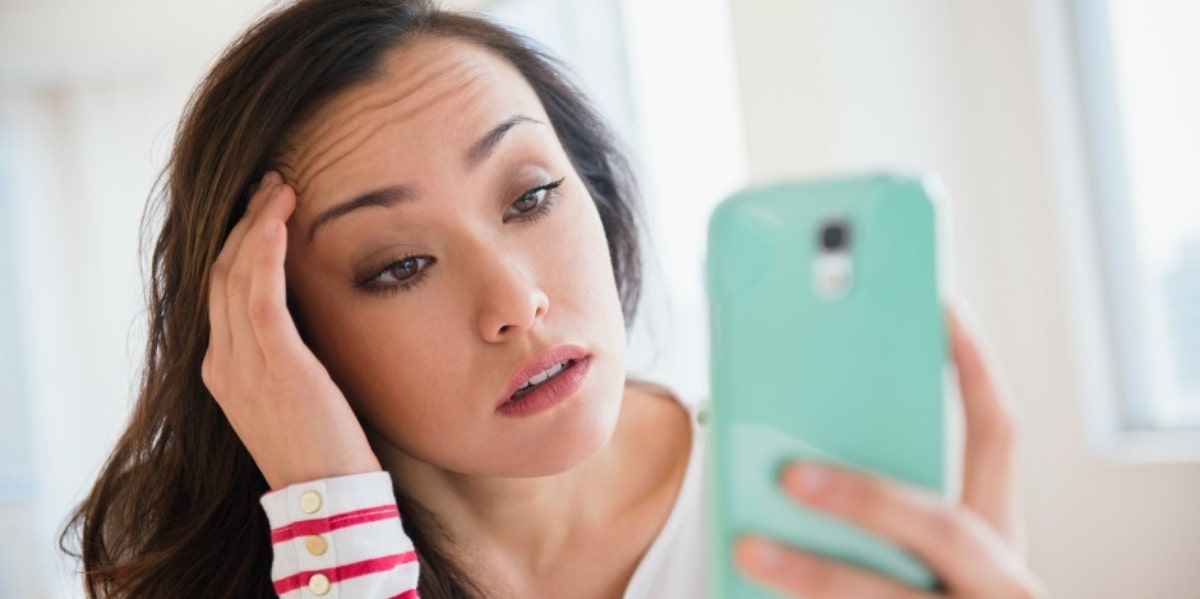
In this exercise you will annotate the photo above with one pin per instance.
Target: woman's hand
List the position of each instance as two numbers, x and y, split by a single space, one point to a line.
973 548
277 396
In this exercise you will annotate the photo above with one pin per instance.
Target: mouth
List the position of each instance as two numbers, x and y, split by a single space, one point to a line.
562 381
541 379
536 373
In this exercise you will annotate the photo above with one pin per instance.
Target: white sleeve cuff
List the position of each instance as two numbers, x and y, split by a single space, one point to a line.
340 536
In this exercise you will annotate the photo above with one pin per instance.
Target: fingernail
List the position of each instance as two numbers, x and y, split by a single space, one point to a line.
767 554
808 480
271 228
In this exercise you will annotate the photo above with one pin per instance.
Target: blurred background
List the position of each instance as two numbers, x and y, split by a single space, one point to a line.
1066 132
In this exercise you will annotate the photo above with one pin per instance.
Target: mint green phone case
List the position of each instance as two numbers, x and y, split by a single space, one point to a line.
855 380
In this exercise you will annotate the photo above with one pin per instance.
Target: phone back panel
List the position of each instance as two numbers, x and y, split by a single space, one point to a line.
855 380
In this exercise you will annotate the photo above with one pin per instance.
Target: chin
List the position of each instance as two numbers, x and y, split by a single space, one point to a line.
565 438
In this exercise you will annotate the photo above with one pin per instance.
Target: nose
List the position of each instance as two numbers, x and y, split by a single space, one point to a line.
510 301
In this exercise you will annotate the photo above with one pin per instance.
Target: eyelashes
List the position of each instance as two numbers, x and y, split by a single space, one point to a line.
376 284
409 270
542 207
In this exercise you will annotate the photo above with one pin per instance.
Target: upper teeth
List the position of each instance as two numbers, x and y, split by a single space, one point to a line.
545 374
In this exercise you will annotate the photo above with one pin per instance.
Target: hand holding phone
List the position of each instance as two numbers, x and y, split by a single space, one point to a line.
972 547
829 348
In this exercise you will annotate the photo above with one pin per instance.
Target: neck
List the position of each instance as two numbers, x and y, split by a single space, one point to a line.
522 524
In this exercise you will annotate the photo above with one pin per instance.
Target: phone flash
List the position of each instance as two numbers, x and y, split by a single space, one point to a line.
833 274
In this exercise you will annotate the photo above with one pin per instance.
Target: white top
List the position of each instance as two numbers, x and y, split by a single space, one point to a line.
341 537
676 565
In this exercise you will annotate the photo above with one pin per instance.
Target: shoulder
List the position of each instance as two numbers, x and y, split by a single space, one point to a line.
671 411
680 546
664 404
664 426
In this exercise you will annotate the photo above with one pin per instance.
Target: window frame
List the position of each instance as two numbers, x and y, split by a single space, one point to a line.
1109 329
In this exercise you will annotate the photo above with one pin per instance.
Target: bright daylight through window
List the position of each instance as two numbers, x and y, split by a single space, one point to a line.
1141 61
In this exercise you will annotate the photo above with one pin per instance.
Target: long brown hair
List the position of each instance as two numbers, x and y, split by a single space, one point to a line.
175 511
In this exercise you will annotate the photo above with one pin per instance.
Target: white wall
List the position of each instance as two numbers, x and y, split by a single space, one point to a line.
822 85
90 92
975 92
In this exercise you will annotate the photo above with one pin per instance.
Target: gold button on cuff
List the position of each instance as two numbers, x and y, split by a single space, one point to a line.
310 501
318 584
316 544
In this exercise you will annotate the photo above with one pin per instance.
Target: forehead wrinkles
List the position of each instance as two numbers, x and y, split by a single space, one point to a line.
350 122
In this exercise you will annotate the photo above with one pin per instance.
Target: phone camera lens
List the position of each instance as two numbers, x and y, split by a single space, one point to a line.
835 236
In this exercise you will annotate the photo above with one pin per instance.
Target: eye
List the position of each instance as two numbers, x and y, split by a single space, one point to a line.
529 201
536 202
397 275
405 273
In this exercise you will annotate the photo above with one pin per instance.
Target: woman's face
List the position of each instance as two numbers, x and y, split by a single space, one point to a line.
498 271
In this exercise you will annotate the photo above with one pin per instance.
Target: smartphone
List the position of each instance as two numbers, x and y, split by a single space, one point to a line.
828 344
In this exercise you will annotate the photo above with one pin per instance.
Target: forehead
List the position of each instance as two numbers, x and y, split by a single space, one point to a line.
432 96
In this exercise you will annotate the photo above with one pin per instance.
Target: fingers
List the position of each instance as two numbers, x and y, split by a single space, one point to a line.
228 286
956 544
989 453
801 574
219 337
270 182
246 244
274 392
267 308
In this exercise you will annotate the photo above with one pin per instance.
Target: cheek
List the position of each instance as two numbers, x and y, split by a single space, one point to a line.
402 372
606 308
580 262
395 368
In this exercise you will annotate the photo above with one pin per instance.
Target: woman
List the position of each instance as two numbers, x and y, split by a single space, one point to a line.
397 265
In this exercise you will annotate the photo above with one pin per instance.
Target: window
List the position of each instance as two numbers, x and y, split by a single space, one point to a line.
1140 89
16 455
668 87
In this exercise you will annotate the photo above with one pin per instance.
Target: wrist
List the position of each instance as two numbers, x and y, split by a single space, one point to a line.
310 474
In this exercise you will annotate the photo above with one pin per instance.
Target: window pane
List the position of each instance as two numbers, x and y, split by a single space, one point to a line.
1156 64
16 457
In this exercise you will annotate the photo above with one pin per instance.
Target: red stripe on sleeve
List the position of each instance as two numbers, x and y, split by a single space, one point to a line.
409 594
322 525
346 572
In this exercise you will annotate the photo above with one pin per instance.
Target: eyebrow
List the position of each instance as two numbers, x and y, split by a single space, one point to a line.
397 194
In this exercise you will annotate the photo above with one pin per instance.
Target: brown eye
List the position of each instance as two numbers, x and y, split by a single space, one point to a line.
535 202
530 200
402 270
397 275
